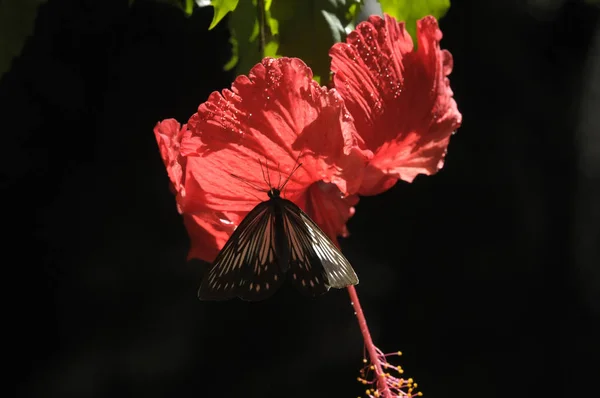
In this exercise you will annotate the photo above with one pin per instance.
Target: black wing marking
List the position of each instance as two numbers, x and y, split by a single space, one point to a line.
316 264
247 265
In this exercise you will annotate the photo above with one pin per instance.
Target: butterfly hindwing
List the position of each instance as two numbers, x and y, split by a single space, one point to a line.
247 265
316 264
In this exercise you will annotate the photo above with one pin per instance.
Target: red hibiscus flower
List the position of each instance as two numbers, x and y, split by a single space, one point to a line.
389 117
258 130
400 98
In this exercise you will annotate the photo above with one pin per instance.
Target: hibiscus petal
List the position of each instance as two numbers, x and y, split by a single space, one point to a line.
400 98
206 238
276 113
330 209
244 140
168 136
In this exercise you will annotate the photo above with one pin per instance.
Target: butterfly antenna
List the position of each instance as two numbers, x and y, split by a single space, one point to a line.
296 167
246 182
268 174
249 184
279 180
262 170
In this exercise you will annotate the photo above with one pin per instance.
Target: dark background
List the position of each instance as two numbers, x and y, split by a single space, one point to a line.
486 275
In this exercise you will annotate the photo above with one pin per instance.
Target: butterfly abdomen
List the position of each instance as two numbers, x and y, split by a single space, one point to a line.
282 247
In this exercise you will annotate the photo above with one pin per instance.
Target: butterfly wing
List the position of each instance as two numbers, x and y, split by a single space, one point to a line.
247 265
316 264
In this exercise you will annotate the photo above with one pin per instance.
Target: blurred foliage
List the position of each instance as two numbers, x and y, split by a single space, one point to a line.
245 35
295 28
304 28
410 11
17 19
308 29
222 7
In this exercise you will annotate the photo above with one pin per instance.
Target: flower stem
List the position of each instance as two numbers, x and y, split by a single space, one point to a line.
371 349
260 5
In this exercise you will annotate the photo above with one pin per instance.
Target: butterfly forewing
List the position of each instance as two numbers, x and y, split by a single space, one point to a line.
247 265
316 264
306 271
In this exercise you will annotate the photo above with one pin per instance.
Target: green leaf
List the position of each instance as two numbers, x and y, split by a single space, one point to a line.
17 20
243 25
222 7
308 29
234 54
410 11
351 15
189 7
294 28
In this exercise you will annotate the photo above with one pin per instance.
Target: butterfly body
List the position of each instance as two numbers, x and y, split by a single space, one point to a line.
282 247
274 242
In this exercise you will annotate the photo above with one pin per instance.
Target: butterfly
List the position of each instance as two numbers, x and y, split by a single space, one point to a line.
275 241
